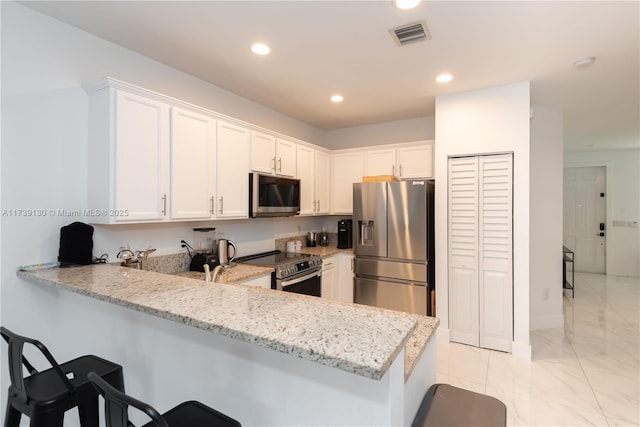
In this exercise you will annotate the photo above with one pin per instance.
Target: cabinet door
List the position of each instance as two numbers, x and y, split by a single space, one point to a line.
285 157
347 168
329 279
380 162
306 174
141 157
192 165
415 162
232 179
344 286
260 282
263 152
323 173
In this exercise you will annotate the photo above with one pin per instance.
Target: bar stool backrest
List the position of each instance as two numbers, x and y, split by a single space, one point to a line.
117 404
17 360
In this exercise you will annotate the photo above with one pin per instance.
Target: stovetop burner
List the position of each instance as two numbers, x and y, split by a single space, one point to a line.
273 258
286 264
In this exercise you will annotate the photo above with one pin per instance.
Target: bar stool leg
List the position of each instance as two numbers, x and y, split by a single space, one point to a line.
12 416
89 413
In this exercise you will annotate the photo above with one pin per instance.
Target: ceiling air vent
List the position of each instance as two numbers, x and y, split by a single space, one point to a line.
410 33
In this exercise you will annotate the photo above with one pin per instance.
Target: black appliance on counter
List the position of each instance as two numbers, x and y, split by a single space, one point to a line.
345 234
293 271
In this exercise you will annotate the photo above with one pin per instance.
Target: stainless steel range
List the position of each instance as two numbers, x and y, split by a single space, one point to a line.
293 271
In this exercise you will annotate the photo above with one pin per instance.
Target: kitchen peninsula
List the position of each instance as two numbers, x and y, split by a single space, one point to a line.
264 357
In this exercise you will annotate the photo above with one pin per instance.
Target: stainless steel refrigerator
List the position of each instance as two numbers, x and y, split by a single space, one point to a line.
393 245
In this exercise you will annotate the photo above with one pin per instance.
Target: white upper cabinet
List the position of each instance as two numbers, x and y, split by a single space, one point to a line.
232 178
313 172
347 168
406 162
263 152
380 162
286 157
307 176
272 155
416 161
323 175
128 157
193 165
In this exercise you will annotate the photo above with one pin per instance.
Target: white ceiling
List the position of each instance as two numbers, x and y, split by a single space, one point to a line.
323 47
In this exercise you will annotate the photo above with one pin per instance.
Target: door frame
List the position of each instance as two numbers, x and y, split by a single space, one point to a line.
608 188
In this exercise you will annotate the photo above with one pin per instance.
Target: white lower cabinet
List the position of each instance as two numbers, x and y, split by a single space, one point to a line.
329 278
259 282
344 290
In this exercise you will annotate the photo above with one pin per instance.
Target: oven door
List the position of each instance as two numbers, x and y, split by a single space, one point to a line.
308 282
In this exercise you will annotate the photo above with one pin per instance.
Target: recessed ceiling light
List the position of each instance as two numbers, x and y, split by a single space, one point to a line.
260 49
444 78
584 62
337 98
407 4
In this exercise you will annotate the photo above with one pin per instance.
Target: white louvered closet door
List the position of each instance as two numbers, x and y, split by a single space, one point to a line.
463 251
480 220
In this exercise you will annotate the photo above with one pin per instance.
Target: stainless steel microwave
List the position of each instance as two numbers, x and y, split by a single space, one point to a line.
271 196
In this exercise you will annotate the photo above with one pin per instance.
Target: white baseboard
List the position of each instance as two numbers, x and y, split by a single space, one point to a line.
521 351
442 334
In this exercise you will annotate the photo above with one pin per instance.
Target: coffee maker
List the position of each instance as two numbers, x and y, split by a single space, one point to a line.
345 234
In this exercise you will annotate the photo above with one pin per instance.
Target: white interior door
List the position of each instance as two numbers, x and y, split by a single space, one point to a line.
463 251
480 202
495 251
584 212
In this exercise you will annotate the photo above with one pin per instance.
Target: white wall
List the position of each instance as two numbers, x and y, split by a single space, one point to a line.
623 205
487 121
44 161
419 129
545 228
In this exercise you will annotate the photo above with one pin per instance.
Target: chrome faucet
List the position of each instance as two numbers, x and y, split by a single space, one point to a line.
216 271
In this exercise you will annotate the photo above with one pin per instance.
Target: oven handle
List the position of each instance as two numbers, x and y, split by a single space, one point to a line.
285 283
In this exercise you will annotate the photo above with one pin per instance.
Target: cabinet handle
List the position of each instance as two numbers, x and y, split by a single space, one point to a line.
352 262
212 209
274 164
221 204
164 205
318 210
280 164
393 170
400 170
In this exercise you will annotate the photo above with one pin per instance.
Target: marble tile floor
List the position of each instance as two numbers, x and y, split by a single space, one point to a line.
587 373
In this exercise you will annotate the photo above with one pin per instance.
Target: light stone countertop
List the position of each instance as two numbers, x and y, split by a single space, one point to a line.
354 338
235 274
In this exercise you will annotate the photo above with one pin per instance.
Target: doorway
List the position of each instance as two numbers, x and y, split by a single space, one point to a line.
584 214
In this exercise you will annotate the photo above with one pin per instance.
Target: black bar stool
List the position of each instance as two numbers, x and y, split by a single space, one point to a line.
186 414
447 406
45 396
